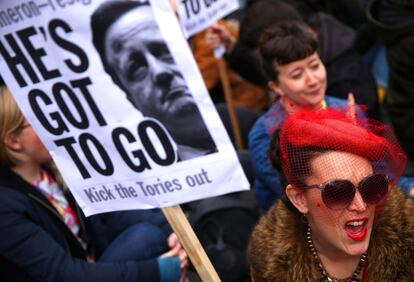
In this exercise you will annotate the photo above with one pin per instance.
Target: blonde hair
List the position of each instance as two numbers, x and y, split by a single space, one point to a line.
11 121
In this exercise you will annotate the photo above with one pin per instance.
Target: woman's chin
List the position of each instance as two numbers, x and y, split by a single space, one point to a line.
356 248
357 243
315 102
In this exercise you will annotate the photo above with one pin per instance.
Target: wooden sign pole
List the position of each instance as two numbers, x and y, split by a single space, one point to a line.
191 244
225 82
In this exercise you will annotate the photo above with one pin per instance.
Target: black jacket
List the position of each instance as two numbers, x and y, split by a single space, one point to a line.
36 245
395 27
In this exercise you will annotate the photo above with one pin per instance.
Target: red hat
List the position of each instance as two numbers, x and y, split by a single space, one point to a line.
333 129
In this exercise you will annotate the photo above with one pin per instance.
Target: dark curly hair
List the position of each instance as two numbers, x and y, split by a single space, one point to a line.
300 168
285 43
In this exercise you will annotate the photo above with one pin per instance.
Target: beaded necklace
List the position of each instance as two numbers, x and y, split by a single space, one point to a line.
325 275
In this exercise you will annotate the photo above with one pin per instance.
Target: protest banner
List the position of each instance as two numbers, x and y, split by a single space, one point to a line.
121 141
117 99
196 15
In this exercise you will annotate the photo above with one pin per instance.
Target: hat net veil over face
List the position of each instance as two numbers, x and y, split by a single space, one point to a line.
343 168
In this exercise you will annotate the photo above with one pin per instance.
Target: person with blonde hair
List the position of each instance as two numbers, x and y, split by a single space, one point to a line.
42 231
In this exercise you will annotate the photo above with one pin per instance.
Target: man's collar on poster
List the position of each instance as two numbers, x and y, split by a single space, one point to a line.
187 152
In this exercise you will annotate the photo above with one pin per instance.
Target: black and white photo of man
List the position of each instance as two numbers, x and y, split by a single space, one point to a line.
137 58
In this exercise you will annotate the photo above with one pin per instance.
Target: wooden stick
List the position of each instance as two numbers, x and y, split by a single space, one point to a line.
225 82
191 244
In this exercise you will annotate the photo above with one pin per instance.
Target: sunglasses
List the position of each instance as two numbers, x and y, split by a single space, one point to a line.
339 193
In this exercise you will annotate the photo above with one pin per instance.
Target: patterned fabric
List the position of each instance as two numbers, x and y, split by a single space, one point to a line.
48 186
276 114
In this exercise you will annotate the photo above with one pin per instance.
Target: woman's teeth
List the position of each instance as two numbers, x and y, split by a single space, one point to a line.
355 223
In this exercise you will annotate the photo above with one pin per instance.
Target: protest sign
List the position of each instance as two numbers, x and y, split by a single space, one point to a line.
196 15
116 97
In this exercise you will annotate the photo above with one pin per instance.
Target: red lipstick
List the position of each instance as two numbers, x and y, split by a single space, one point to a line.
356 229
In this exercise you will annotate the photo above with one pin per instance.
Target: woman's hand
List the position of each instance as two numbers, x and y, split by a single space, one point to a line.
176 250
218 34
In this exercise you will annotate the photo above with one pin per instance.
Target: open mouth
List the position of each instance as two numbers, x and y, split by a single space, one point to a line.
356 229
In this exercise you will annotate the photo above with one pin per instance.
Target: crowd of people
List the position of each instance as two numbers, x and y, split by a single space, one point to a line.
330 161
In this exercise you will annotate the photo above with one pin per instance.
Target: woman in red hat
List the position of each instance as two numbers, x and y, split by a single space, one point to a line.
340 218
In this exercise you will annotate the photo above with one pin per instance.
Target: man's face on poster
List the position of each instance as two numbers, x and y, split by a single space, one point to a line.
140 57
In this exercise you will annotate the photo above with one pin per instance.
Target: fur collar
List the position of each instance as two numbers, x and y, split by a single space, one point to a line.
278 250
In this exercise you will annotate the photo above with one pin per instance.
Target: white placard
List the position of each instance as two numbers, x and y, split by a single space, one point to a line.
118 101
196 15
